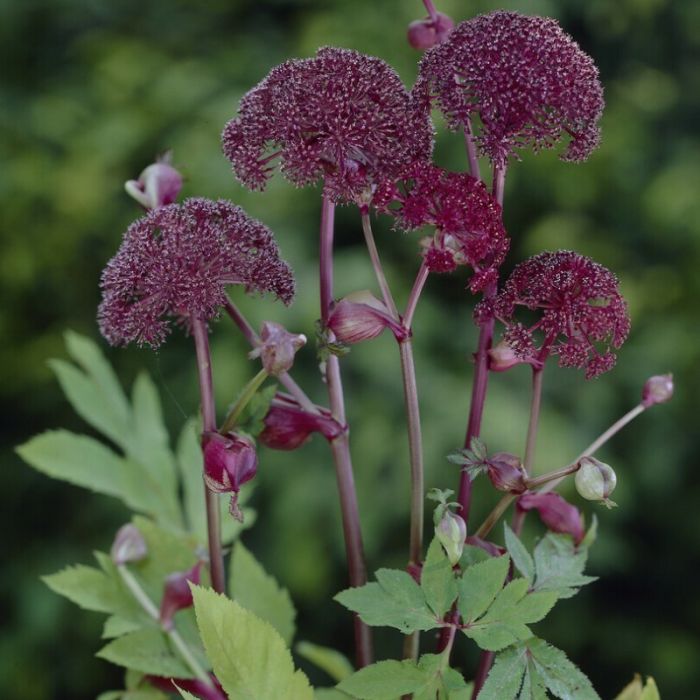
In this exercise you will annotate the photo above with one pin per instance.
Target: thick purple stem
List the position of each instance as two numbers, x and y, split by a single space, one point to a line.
432 12
340 446
206 392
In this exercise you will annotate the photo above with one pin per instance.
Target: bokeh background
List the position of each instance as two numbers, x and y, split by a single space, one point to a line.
91 90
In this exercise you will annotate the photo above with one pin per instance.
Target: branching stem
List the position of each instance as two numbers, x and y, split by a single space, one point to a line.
249 391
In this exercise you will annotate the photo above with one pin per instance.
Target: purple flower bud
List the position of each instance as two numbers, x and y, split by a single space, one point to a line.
555 513
490 548
177 594
278 348
197 687
425 33
506 472
288 425
229 461
595 480
361 316
657 389
129 545
159 184
451 531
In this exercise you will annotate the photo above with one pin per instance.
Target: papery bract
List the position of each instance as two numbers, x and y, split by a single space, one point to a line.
176 263
159 184
341 116
528 82
425 33
506 472
177 594
277 348
556 513
657 389
361 316
129 545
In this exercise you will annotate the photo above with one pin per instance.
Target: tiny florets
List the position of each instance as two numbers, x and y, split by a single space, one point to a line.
341 116
467 219
528 82
580 311
176 261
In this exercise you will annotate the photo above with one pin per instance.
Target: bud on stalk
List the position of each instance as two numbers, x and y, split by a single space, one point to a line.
129 545
657 389
595 480
361 316
159 184
557 514
177 594
277 348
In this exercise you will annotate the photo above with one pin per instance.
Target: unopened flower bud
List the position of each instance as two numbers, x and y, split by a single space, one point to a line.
288 425
425 33
159 184
493 550
657 389
177 594
502 357
129 545
451 531
361 316
506 472
229 462
277 348
195 686
595 480
556 513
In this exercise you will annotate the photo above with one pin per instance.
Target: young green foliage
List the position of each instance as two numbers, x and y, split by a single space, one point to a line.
636 691
329 660
437 580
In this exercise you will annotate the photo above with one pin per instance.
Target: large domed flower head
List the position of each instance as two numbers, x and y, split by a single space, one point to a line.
175 263
467 220
341 116
527 81
579 311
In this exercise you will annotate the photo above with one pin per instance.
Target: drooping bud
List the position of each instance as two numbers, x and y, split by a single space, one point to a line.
159 184
277 348
361 316
493 550
506 473
556 513
502 357
288 425
595 480
128 546
177 594
195 686
657 389
229 462
425 33
451 531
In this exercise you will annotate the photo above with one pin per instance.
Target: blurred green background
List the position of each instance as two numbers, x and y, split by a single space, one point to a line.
91 90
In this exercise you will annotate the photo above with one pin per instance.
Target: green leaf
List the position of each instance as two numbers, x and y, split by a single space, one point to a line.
92 589
479 586
521 557
559 565
258 592
251 420
185 694
472 555
438 580
636 691
151 694
248 656
506 675
330 694
335 664
395 601
147 651
385 679
563 678
116 626
455 685
533 684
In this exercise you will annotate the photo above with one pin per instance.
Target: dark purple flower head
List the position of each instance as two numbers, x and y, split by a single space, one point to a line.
580 313
176 261
341 116
467 219
528 82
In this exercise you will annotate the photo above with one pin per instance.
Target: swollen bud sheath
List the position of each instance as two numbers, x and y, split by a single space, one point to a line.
277 348
506 472
159 184
426 33
361 316
451 532
177 594
129 545
557 514
657 389
595 480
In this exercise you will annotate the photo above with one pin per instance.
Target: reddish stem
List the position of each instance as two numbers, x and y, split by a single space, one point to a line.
432 12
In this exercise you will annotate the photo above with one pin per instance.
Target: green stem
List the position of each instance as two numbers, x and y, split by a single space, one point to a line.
377 264
151 610
249 391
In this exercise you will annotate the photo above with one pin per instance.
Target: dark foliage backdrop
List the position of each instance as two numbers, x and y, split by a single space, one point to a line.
92 90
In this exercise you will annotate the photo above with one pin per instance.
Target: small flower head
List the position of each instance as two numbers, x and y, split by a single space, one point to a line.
657 389
288 425
128 546
176 263
529 83
341 116
425 33
595 480
159 184
581 314
361 316
467 220
557 514
229 462
277 348
177 594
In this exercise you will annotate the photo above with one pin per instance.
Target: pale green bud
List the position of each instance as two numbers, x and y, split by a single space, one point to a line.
451 532
595 480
